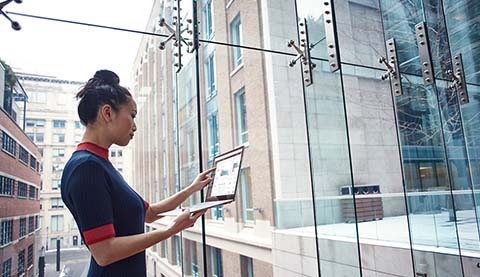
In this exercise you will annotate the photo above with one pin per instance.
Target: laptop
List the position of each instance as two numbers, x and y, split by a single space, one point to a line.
223 187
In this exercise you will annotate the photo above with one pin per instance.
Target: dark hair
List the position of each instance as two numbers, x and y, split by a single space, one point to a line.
102 89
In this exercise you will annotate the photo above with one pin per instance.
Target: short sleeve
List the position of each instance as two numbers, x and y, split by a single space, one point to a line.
91 202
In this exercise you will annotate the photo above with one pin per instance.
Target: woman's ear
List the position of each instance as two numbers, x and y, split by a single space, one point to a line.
106 113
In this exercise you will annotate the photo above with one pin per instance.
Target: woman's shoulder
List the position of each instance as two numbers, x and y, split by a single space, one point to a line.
83 159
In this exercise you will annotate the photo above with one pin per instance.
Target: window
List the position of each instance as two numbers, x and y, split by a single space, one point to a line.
30 122
31 192
39 137
55 184
113 153
58 152
33 162
21 262
57 223
6 186
241 117
236 38
57 167
7 232
207 14
53 242
77 138
210 76
216 261
9 144
30 255
23 227
35 122
217 213
23 155
40 122
212 133
22 189
7 268
75 240
78 125
38 97
120 153
246 195
58 138
59 124
178 253
31 224
31 136
57 203
246 266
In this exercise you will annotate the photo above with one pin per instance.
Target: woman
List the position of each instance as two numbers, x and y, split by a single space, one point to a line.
109 214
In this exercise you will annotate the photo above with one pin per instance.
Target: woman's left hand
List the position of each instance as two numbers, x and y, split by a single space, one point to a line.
202 180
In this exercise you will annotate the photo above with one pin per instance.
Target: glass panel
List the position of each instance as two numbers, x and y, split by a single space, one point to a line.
335 212
462 24
378 189
462 20
399 19
359 31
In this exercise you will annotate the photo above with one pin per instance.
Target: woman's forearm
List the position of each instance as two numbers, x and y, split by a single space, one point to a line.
118 248
167 204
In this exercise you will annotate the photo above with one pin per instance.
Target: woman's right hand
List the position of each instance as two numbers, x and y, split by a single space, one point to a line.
185 220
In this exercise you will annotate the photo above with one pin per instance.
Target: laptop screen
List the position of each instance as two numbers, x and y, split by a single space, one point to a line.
225 181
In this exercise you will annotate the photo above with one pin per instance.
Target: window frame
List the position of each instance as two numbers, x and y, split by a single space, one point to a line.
241 123
236 39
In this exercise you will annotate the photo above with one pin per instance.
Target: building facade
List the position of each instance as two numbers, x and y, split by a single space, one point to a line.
20 183
52 123
361 159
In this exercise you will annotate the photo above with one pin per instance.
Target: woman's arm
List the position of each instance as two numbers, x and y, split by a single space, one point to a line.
115 249
175 200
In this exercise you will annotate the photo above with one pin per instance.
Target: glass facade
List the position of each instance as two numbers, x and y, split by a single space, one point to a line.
342 176
360 121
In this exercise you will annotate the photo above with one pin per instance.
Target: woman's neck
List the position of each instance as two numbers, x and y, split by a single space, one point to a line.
96 136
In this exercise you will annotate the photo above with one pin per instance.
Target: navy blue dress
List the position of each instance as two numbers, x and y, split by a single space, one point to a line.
103 205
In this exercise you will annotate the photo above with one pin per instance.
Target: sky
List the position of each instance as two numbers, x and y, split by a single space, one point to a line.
69 51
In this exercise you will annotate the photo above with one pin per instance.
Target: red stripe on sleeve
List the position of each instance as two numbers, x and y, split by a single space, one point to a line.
99 233
147 205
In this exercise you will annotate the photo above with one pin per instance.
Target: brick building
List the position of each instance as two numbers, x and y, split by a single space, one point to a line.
20 183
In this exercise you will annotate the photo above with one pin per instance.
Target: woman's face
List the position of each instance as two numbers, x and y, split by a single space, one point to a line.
123 125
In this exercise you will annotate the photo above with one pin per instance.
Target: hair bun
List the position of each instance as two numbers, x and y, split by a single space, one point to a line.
107 76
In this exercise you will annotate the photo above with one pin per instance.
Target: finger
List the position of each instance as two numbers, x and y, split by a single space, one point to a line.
199 214
208 171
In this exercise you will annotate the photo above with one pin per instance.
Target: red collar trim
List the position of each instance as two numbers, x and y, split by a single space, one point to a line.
93 148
